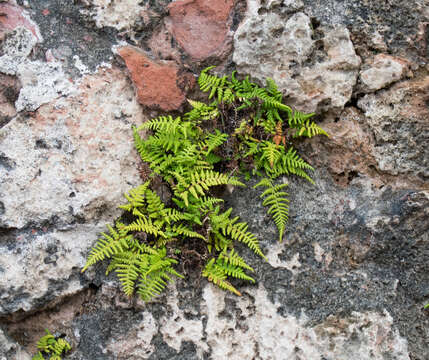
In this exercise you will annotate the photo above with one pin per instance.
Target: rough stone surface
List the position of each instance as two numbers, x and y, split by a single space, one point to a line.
8 95
383 71
350 279
68 34
201 27
378 25
121 14
315 74
398 118
158 85
10 350
41 82
60 169
13 16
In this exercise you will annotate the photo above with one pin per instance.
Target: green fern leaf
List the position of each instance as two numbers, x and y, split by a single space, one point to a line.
278 202
108 246
217 276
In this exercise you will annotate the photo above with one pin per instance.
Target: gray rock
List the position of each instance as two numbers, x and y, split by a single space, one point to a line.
383 71
315 75
398 119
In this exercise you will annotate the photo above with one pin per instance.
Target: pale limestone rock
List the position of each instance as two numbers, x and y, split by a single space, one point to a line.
65 164
71 157
41 267
119 14
283 48
383 71
398 119
41 82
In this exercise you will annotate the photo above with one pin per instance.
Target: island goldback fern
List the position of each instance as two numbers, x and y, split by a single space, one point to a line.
51 348
242 130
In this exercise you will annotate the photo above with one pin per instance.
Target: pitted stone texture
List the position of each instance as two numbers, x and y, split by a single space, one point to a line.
388 26
382 71
159 85
201 27
316 75
13 16
399 120
69 164
119 14
69 159
250 327
43 266
10 90
10 350
41 82
348 152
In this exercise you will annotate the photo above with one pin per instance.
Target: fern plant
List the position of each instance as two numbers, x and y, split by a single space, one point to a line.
51 347
242 126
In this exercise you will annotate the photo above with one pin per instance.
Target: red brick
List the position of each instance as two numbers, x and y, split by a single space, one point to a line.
157 84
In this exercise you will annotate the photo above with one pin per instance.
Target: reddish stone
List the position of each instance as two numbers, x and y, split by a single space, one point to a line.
201 27
157 84
161 46
13 16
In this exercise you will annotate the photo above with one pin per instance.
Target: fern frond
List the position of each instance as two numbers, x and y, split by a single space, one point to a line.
216 85
238 231
273 90
155 276
271 152
309 129
212 141
199 182
50 345
127 267
233 270
155 206
182 229
107 246
47 342
297 118
142 223
278 202
201 111
234 259
171 215
61 346
151 286
207 202
291 163
161 123
38 356
135 197
217 276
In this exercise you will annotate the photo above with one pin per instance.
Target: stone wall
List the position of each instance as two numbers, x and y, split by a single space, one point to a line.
352 277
